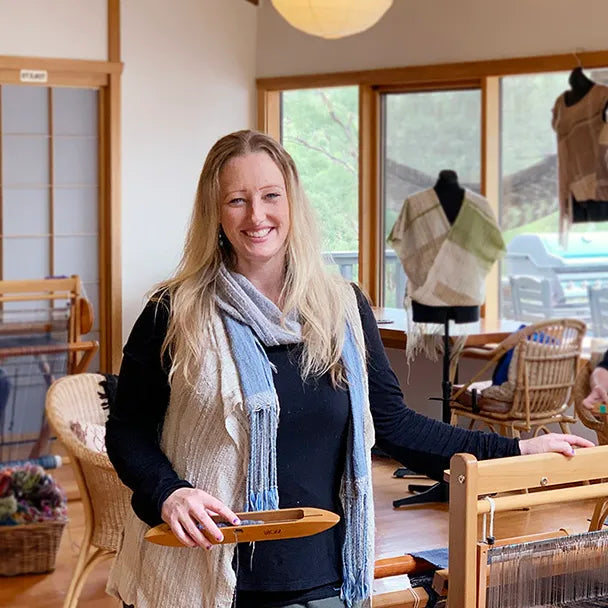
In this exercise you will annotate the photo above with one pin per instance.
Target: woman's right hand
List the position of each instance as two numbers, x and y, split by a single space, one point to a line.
599 386
596 396
187 507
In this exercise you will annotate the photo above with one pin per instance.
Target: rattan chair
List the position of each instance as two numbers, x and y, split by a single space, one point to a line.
599 424
540 380
582 387
105 499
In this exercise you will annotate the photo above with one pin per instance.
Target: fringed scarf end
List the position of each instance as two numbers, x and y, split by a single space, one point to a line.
264 500
355 590
356 575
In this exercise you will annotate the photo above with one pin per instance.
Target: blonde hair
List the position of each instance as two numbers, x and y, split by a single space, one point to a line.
309 287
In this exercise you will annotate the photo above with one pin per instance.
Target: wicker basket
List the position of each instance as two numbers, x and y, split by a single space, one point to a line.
29 548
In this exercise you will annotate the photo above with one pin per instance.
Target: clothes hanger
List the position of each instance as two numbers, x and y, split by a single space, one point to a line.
259 525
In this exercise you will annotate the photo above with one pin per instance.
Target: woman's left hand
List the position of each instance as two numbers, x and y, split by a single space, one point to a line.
553 442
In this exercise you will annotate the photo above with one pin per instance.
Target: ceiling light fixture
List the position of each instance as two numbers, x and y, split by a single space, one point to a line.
332 18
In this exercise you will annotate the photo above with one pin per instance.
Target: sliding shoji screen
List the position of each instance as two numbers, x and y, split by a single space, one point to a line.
49 178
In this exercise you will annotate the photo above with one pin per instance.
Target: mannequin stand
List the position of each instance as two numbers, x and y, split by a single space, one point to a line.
439 491
446 385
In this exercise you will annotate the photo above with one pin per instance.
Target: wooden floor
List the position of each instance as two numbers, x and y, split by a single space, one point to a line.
397 532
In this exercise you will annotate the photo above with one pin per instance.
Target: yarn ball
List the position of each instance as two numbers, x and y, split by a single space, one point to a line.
8 508
28 494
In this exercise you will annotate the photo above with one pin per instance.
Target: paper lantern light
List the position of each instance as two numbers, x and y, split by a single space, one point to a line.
332 18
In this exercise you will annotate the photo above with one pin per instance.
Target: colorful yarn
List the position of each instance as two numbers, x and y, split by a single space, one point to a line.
29 495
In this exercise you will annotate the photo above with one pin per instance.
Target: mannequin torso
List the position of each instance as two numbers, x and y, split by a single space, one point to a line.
450 195
580 85
585 210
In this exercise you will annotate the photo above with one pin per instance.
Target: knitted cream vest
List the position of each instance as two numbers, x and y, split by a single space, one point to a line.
206 438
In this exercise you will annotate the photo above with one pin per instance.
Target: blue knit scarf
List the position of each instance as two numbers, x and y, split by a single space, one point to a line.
251 321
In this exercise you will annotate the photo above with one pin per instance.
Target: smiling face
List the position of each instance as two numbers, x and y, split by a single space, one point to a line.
254 214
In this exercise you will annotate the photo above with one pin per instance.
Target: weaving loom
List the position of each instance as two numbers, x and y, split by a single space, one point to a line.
567 570
549 569
41 324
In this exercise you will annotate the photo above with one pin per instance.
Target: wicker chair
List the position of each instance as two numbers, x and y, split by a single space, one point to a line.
540 380
105 499
599 424
582 387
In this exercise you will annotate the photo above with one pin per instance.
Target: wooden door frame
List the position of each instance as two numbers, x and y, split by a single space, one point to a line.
106 77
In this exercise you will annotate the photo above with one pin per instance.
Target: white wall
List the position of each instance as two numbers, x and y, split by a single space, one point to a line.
70 29
188 79
436 31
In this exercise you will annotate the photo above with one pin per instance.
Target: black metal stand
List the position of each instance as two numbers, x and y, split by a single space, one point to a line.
402 472
446 385
438 492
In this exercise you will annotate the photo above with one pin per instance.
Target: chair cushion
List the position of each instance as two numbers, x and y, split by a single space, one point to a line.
485 403
92 435
505 391
501 371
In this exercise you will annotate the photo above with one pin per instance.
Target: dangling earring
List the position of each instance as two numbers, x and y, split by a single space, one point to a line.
220 238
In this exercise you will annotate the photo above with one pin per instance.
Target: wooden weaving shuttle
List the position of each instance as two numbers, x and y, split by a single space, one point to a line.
273 525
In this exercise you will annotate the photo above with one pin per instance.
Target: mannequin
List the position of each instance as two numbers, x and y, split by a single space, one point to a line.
451 195
580 85
582 101
582 211
446 265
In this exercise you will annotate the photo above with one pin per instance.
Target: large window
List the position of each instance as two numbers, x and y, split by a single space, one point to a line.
424 133
320 129
529 210
489 121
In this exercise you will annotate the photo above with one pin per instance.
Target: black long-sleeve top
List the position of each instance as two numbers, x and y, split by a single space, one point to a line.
311 450
604 362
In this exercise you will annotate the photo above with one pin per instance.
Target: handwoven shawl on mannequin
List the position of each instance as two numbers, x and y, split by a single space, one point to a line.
582 151
446 264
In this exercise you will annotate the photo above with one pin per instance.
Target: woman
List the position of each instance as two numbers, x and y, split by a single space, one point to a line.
599 385
253 330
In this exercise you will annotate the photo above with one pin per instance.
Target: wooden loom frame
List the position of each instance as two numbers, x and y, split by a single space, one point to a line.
79 352
470 480
80 319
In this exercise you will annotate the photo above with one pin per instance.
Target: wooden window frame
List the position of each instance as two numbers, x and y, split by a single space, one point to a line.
484 75
104 76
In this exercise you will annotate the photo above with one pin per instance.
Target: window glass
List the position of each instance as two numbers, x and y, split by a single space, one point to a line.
539 277
424 133
320 129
